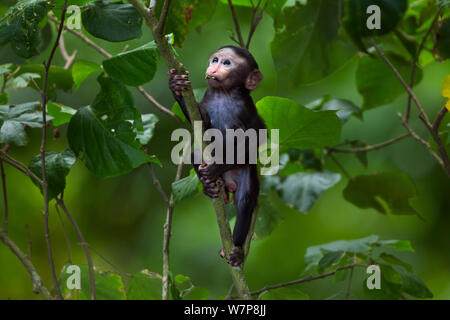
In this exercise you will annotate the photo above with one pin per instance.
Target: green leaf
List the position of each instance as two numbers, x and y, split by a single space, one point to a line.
345 109
100 149
58 77
314 254
412 284
23 80
61 114
285 293
268 218
330 259
187 15
149 122
134 67
20 27
399 245
306 47
108 285
83 69
361 156
299 127
112 21
144 286
356 17
385 192
393 260
443 39
377 83
185 187
301 190
57 167
187 290
13 120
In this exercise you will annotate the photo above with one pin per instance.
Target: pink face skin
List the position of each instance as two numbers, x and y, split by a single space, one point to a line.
220 65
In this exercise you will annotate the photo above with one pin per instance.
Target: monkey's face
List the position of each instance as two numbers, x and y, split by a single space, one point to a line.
225 69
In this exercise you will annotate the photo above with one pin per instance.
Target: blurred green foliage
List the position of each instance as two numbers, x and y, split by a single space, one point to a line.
122 218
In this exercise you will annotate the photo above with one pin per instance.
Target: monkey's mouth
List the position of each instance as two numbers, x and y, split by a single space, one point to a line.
212 78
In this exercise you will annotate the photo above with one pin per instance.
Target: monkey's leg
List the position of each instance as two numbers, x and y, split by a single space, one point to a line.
245 199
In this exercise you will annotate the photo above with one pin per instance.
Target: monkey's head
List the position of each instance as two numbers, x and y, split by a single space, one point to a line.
233 67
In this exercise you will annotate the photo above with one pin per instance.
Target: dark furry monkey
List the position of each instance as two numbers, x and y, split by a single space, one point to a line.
231 74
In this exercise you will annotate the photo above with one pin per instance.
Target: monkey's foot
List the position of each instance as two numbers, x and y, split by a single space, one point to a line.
236 257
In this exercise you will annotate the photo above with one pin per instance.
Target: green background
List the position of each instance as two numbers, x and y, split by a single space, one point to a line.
122 218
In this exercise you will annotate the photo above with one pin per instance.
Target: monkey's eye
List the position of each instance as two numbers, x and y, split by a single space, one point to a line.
215 60
227 62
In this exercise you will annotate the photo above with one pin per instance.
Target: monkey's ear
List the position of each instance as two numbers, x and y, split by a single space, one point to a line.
253 79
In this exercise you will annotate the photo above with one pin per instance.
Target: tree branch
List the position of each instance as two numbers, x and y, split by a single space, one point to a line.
256 18
371 147
157 184
443 159
194 113
34 275
168 233
416 60
240 40
83 243
5 198
306 279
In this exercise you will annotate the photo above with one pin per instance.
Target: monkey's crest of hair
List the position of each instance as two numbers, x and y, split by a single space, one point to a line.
244 53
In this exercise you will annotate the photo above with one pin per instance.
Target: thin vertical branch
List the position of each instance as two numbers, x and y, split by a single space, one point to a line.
236 24
34 275
83 243
5 198
257 16
416 61
168 232
157 184
47 66
341 167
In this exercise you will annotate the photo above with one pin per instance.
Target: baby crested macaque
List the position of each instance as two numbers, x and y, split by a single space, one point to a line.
231 74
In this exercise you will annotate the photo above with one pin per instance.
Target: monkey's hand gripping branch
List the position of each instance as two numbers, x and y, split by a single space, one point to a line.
194 113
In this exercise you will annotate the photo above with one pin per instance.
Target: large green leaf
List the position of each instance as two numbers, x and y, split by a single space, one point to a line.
185 187
20 27
299 127
385 192
61 114
187 15
57 167
108 285
14 118
330 259
377 83
112 21
268 218
443 39
301 190
315 254
144 286
149 122
356 17
412 284
134 67
82 69
100 149
306 47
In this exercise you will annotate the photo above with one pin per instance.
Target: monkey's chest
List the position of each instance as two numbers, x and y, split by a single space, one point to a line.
226 114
